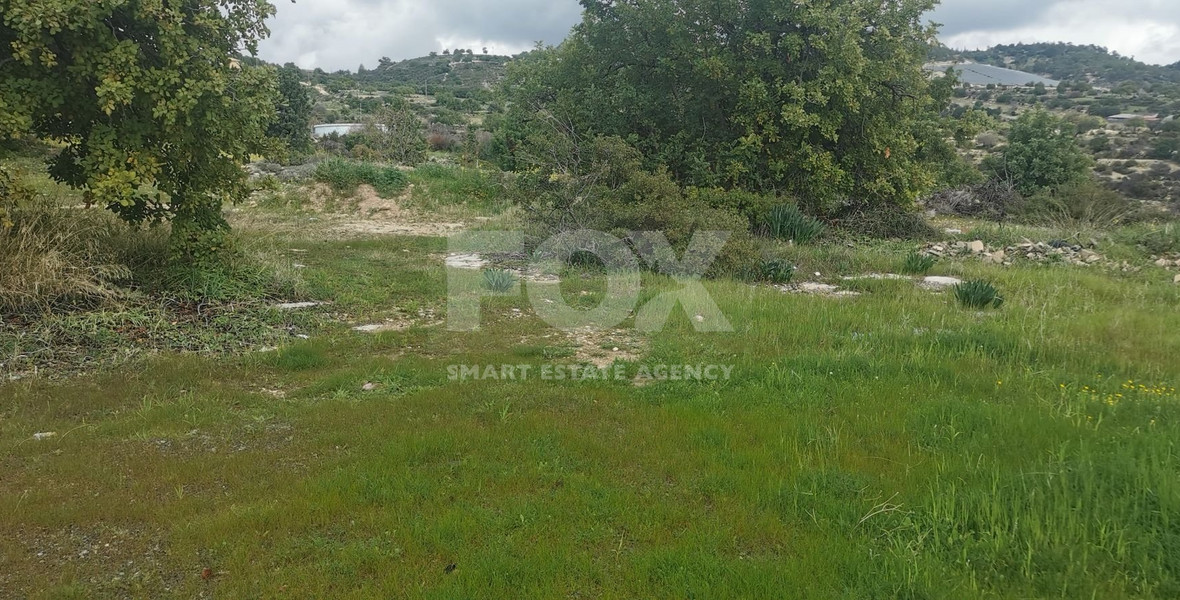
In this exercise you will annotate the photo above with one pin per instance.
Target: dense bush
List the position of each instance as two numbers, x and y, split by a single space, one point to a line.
345 175
883 222
599 184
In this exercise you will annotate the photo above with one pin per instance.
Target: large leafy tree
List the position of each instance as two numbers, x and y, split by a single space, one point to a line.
155 114
817 99
293 123
1042 154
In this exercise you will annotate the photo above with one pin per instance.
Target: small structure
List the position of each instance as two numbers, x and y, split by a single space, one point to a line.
1125 118
338 128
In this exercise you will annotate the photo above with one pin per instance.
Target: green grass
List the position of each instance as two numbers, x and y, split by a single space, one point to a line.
890 446
345 175
440 187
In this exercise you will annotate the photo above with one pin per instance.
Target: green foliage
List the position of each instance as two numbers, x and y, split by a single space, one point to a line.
776 271
1074 63
458 186
1042 154
978 295
817 102
345 175
156 115
292 124
498 280
883 222
1084 204
917 264
599 184
394 135
786 222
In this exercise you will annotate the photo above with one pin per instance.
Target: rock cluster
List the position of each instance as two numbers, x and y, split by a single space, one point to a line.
1171 261
1055 251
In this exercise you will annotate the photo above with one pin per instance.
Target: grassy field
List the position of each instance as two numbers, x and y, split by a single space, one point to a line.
890 445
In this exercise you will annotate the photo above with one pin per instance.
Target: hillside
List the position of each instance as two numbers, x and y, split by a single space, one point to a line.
459 74
1068 62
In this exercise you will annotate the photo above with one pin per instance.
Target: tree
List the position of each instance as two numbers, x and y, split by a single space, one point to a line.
791 97
395 134
292 124
1042 154
155 113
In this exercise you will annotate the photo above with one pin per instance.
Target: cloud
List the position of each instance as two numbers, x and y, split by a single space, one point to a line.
342 34
1148 30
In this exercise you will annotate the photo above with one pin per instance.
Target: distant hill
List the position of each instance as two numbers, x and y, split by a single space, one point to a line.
977 74
1068 62
462 75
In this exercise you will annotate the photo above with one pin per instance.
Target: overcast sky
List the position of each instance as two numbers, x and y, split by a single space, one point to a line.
343 34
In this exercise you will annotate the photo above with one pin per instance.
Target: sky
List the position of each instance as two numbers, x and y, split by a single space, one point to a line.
344 34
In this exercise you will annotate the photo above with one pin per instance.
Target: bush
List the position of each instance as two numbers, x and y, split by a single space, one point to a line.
1080 205
754 207
917 264
776 271
885 222
978 295
344 176
1157 241
787 222
51 256
599 184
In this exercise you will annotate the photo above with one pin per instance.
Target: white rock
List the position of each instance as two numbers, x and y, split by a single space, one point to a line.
937 283
471 262
1163 262
977 247
368 387
954 231
1176 280
298 305
44 436
875 276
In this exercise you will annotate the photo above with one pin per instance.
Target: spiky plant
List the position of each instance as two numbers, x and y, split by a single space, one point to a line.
499 280
776 271
917 264
787 222
978 295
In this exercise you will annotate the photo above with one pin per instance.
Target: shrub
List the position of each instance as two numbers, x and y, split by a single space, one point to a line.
498 280
787 222
776 271
1157 241
978 295
344 176
750 205
1081 205
917 264
599 184
884 221
51 256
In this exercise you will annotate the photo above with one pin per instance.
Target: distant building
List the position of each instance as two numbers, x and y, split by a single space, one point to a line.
338 128
1128 117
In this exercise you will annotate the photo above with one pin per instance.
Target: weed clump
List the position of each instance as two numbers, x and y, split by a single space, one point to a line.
345 175
978 295
498 280
787 222
917 264
776 271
